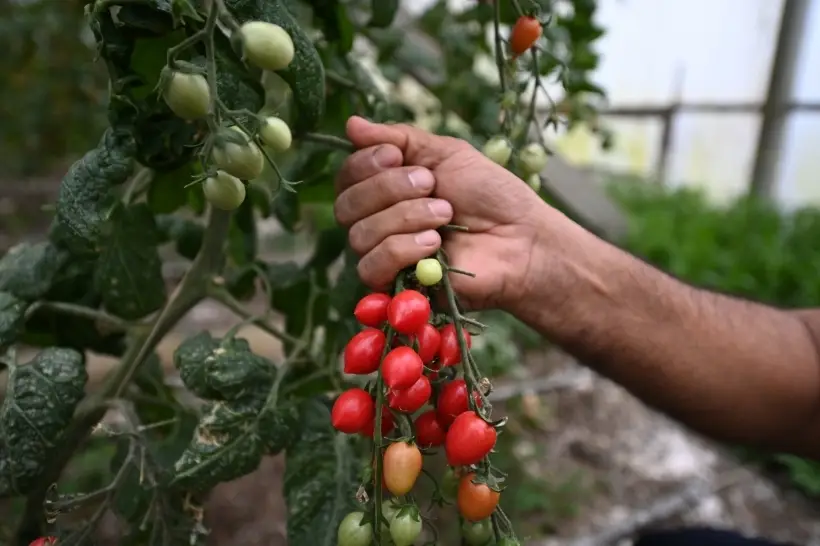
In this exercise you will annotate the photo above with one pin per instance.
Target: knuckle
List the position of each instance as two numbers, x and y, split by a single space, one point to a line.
359 238
393 249
340 211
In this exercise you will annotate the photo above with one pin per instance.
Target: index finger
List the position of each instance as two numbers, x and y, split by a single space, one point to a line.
367 162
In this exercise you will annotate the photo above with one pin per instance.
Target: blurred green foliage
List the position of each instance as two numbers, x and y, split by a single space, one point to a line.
51 96
748 249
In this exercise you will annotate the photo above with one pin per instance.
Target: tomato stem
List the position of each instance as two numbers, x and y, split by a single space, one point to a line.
470 375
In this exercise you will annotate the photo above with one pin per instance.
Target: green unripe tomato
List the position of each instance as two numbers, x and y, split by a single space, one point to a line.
224 191
389 511
498 149
534 181
449 485
266 45
276 134
353 533
429 272
187 95
533 158
507 541
406 527
244 161
478 533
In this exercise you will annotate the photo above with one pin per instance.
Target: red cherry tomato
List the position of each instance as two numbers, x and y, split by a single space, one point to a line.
411 400
372 310
428 430
363 353
408 311
452 401
352 411
525 33
401 368
468 440
428 339
449 352
388 424
476 501
43 541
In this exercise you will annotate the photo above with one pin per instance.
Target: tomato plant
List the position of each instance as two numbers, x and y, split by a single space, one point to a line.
402 466
412 399
187 94
526 31
352 411
405 527
44 541
477 533
449 351
267 45
408 311
469 439
476 501
452 401
498 150
401 368
276 134
363 353
429 432
429 272
354 532
224 191
372 310
449 484
205 123
236 154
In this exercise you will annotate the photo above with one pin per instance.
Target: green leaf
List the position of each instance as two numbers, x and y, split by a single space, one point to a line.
167 191
231 439
12 312
384 11
319 490
28 270
242 239
85 193
40 401
186 233
129 273
222 369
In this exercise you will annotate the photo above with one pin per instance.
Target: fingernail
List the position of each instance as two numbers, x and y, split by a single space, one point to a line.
422 179
427 238
441 208
384 157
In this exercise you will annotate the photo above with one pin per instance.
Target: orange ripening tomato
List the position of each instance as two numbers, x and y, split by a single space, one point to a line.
525 33
476 501
402 466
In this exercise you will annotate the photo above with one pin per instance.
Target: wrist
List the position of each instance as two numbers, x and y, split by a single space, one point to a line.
564 279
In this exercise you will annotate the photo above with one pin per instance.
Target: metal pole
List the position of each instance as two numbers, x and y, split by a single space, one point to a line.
781 85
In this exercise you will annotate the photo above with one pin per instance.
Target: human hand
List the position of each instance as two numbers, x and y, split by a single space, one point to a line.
403 183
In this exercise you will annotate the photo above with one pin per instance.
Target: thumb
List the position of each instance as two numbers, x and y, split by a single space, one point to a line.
419 147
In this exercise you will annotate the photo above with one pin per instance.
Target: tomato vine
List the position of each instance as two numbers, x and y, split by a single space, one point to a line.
221 112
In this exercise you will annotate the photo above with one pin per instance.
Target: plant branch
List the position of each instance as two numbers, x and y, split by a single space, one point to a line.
330 141
222 296
79 311
190 291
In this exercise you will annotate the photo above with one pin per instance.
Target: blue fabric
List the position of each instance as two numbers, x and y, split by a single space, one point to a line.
701 537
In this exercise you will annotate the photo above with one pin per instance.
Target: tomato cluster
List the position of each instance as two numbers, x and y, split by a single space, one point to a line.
418 392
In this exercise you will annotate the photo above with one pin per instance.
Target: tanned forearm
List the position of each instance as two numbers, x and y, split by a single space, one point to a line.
732 369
